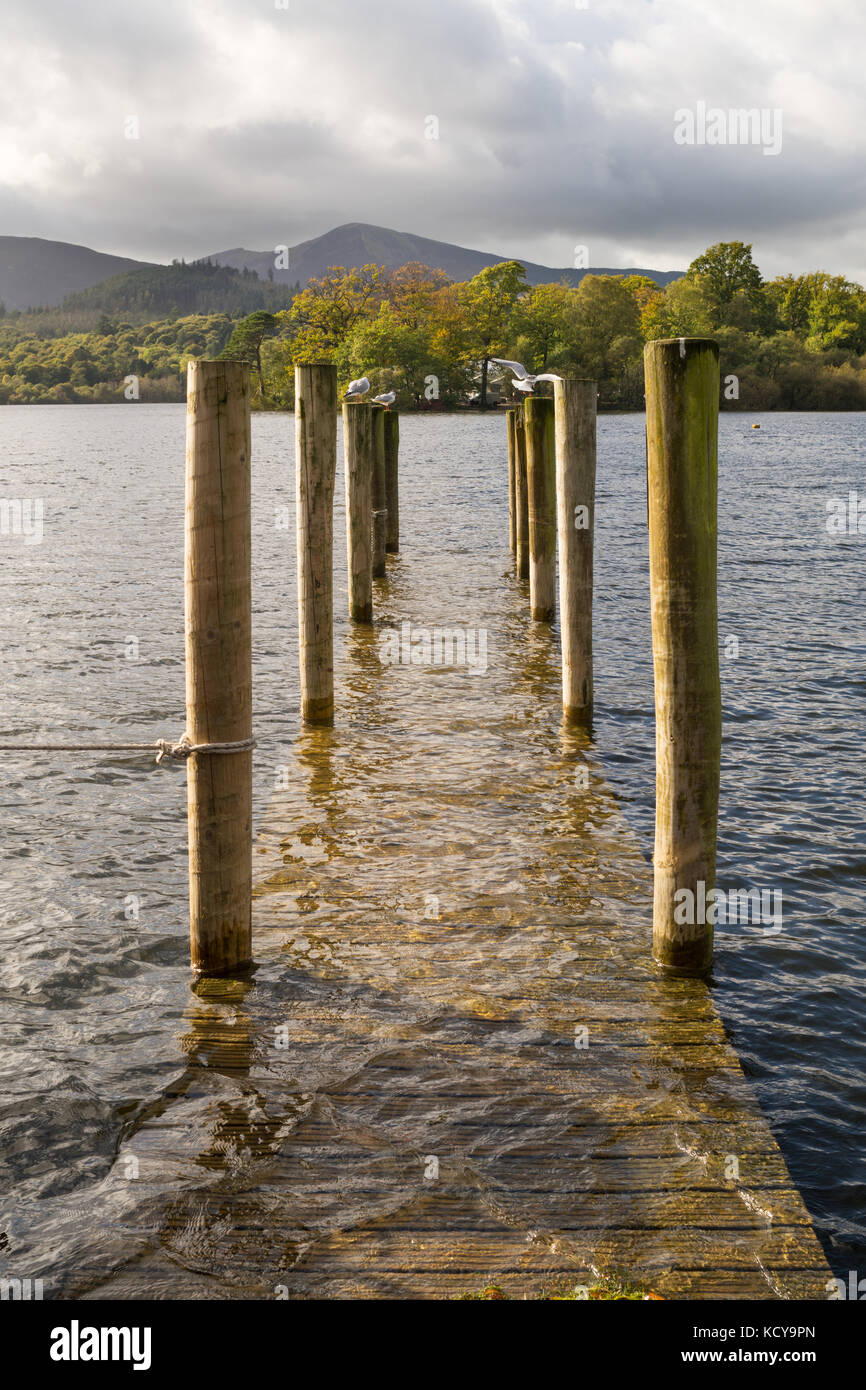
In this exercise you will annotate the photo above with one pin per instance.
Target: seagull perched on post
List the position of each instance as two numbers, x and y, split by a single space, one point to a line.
387 399
524 380
358 388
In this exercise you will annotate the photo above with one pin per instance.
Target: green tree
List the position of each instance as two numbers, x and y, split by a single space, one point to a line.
392 354
542 324
837 316
245 344
792 297
681 311
489 301
603 311
722 271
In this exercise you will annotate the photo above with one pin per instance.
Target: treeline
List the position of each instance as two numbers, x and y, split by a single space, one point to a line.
793 343
96 366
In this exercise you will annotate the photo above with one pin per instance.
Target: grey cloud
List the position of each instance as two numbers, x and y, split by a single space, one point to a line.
541 144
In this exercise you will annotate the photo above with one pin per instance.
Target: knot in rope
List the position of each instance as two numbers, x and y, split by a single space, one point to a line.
183 749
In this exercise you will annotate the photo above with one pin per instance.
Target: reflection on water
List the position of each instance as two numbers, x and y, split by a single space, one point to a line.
448 891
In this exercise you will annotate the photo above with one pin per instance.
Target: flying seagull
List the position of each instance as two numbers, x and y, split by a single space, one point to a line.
524 380
359 387
387 399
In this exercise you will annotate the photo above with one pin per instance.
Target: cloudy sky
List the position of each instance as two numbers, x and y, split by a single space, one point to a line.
260 125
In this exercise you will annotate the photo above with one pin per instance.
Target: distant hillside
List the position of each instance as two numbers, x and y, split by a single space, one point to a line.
358 243
34 272
172 291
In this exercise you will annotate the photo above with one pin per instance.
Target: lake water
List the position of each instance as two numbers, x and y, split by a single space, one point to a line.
95 985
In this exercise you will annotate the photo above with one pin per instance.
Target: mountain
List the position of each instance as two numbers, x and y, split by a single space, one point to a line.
358 243
34 272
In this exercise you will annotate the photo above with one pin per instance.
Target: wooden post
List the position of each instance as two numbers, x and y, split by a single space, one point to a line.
521 499
218 627
392 488
358 444
682 401
315 470
575 412
541 491
510 426
380 505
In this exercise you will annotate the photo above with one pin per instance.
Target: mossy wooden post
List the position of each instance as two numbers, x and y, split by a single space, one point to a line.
358 445
541 491
218 632
510 426
380 505
682 406
315 470
521 500
575 415
392 485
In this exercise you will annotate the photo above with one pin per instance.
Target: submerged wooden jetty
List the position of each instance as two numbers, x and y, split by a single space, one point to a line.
575 1113
456 1063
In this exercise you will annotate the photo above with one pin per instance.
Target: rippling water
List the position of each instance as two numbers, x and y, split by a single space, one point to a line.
99 1027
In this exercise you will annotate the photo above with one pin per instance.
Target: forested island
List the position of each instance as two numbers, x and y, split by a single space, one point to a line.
797 342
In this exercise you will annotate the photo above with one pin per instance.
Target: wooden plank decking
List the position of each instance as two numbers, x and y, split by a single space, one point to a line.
442 902
644 1152
299 1163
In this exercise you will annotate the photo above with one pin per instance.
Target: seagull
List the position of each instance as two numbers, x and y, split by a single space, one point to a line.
387 399
359 387
524 380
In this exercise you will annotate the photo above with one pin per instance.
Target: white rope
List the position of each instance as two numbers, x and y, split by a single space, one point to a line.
164 747
183 749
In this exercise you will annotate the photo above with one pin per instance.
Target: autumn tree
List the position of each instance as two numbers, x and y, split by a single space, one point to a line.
412 291
643 290
451 363
325 312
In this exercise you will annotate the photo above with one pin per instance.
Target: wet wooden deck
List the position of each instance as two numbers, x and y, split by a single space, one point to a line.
393 1106
643 1152
425 1124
